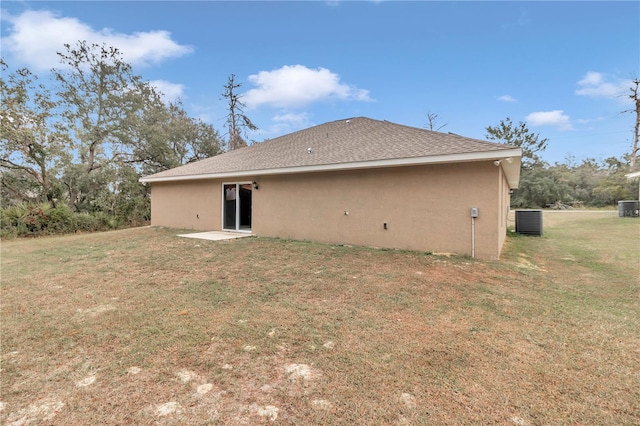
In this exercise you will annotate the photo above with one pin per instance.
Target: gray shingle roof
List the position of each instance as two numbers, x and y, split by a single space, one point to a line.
355 140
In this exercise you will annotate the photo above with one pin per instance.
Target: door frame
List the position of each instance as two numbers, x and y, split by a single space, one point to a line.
237 220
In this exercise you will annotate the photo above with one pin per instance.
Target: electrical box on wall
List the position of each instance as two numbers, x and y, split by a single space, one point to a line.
474 212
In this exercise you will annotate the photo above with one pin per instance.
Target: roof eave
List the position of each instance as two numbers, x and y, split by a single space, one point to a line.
512 169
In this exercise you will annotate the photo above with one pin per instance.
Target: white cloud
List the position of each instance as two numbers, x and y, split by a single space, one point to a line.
507 98
296 120
34 37
556 118
591 79
170 91
286 122
294 86
595 84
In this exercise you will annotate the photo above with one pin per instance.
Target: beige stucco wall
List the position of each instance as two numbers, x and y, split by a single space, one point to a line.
190 204
425 207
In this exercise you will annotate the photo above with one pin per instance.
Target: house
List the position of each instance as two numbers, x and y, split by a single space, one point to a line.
358 181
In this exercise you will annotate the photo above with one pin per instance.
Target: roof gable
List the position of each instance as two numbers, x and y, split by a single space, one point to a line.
353 143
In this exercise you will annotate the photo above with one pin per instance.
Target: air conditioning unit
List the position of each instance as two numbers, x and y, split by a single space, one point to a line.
529 222
628 208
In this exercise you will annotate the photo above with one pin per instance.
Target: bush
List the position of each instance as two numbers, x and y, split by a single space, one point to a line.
61 220
12 221
25 220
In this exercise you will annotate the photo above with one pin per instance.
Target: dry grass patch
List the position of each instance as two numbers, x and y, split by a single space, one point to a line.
140 327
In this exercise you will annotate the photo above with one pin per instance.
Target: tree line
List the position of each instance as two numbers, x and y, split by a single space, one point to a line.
572 184
72 151
590 183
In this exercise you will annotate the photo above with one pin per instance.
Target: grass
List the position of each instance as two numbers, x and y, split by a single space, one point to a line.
140 327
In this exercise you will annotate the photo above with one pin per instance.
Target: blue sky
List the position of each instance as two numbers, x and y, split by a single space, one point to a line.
563 67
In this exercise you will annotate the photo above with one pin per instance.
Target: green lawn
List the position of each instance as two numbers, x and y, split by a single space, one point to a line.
141 327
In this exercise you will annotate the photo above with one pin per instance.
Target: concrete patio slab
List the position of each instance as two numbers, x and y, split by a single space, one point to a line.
216 235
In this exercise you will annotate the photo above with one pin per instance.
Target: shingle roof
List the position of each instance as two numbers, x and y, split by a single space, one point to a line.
338 143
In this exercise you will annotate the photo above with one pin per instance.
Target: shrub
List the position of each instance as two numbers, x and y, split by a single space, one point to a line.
61 220
25 219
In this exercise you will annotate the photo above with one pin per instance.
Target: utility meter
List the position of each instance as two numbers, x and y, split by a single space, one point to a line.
474 212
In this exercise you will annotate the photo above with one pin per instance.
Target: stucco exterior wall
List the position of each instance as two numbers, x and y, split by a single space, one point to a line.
188 204
424 207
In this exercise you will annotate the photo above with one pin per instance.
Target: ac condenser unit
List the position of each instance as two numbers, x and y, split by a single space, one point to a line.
529 222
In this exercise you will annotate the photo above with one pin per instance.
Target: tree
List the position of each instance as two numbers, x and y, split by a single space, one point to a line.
581 179
165 137
191 139
100 96
102 100
614 185
432 119
89 143
518 135
539 188
236 119
32 144
635 97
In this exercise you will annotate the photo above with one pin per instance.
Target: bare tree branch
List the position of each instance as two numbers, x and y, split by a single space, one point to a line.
635 97
236 120
432 118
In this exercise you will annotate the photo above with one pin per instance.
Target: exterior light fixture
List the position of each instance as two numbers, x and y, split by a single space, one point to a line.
255 185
